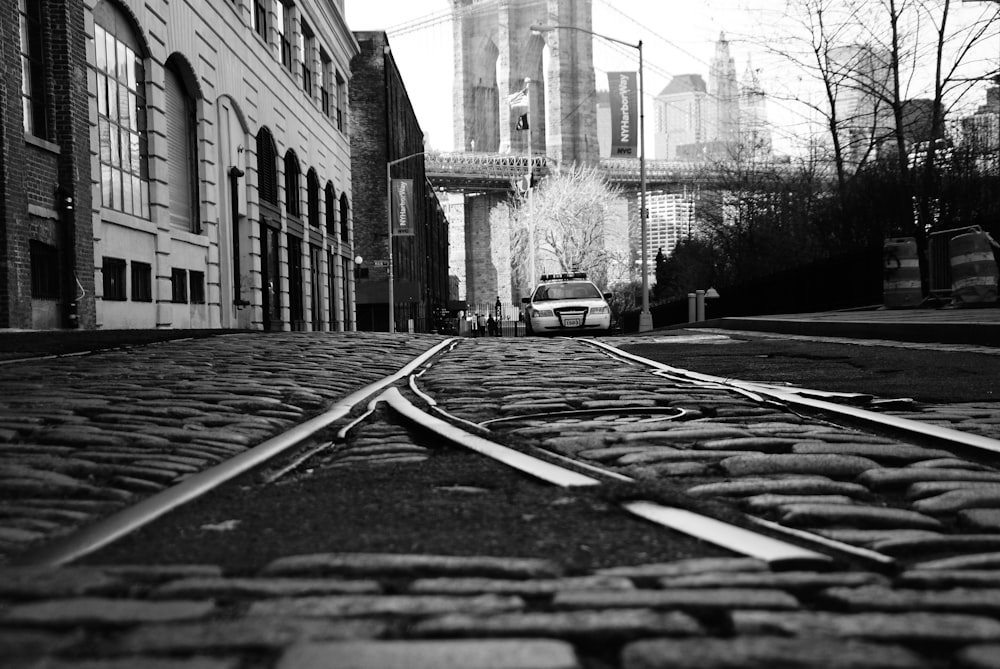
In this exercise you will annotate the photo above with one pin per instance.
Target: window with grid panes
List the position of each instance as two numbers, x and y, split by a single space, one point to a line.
121 113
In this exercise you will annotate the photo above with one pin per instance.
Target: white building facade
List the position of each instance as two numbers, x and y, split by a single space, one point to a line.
220 162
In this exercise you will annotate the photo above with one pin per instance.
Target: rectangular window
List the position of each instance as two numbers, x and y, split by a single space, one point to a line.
44 270
325 78
285 32
142 282
114 279
341 101
34 103
307 47
259 18
197 281
178 285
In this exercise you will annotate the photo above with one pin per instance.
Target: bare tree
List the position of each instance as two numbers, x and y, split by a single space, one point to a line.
572 222
871 60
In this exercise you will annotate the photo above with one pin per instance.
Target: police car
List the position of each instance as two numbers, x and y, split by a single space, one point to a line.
567 303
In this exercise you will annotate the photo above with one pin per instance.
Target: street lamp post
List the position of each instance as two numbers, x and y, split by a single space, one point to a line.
645 318
388 206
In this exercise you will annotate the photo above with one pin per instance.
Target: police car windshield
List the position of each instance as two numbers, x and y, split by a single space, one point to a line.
568 290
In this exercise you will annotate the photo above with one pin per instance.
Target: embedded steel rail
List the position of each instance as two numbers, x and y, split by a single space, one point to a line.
735 538
815 400
87 540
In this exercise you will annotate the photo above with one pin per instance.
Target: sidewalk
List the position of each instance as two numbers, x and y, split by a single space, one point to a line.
977 326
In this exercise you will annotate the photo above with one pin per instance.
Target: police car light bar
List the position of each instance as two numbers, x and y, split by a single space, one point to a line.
564 277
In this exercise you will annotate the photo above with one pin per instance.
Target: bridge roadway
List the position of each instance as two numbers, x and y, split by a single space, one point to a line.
468 171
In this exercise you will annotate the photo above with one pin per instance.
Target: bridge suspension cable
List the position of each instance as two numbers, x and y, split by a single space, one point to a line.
784 132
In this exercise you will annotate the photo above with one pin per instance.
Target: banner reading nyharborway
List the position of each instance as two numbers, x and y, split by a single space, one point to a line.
402 206
624 138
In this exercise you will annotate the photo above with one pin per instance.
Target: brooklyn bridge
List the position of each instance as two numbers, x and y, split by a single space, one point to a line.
499 52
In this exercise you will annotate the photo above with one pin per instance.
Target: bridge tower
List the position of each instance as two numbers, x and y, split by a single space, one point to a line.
495 51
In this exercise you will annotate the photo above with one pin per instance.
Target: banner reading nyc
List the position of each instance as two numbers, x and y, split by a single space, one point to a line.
624 139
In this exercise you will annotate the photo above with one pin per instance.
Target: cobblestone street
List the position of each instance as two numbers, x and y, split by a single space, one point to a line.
82 437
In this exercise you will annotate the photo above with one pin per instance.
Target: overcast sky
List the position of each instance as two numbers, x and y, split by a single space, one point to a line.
678 38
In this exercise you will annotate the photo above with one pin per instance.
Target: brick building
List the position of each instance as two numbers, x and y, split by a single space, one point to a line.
385 130
46 257
176 164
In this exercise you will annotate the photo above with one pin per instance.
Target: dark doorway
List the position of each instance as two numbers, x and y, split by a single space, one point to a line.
270 276
295 307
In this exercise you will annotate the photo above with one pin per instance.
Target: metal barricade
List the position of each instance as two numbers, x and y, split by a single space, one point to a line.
939 259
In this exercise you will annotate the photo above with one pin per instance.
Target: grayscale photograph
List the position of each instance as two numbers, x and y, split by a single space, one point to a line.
500 334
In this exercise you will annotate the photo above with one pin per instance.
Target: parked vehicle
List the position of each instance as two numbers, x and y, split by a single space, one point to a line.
567 303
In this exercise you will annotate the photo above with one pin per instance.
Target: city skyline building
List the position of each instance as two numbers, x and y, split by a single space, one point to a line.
671 219
721 119
681 116
723 90
755 135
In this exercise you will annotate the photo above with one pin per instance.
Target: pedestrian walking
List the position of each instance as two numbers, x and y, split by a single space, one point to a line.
491 326
482 324
498 308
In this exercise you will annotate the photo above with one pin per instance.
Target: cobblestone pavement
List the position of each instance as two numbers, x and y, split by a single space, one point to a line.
935 512
81 437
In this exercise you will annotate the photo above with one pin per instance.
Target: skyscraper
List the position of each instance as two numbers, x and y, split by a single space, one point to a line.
723 93
755 136
681 115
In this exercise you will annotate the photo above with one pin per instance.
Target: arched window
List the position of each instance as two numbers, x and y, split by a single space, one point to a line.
331 209
293 207
121 111
182 148
267 168
345 212
312 197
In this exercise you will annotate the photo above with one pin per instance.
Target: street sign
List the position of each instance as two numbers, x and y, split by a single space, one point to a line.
380 263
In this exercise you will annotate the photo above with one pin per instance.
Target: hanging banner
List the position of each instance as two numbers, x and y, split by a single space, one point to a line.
402 207
624 138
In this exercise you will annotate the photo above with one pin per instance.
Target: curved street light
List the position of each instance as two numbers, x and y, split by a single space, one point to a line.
645 318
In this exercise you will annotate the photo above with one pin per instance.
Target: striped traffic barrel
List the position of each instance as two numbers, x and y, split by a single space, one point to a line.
901 283
973 269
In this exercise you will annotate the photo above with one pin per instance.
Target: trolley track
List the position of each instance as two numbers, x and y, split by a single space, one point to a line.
780 474
104 434
721 448
880 575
